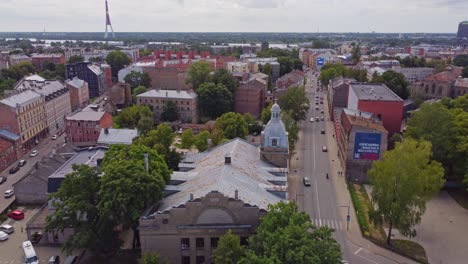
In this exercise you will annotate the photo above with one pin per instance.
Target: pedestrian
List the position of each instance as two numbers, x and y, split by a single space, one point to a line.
21 229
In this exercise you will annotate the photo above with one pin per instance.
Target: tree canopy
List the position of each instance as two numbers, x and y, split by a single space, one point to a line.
117 60
296 102
170 113
75 59
229 250
222 76
201 141
135 116
214 100
232 125
187 139
403 182
461 60
395 81
136 79
332 70
198 73
139 90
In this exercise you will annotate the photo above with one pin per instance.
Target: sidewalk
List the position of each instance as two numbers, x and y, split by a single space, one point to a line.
343 197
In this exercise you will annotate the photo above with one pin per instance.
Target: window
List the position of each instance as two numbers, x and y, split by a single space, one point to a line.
214 242
78 123
274 142
79 131
200 243
165 221
184 243
87 131
185 259
200 260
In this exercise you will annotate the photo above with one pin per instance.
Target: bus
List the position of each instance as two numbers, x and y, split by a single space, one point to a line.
30 256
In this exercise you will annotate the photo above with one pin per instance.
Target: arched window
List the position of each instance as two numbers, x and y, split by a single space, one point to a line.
433 89
439 91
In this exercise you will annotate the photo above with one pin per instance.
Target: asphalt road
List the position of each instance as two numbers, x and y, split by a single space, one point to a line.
45 148
320 199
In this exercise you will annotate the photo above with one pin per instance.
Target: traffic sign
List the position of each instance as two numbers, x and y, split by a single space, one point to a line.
320 61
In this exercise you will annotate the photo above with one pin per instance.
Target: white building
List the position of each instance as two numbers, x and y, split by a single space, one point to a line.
237 67
78 52
136 67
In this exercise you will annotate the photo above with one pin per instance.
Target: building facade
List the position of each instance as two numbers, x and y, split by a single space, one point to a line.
39 59
460 87
91 74
438 85
237 67
84 127
186 102
23 113
274 140
18 58
338 91
250 96
10 148
120 94
78 52
79 93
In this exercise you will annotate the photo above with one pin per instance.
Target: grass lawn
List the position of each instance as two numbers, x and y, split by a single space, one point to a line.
459 195
375 232
411 248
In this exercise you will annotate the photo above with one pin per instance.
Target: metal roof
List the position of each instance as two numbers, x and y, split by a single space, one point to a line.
117 136
374 92
8 135
76 82
21 98
86 116
246 173
173 94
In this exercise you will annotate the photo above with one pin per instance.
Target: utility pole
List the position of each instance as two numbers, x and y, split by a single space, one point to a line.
348 216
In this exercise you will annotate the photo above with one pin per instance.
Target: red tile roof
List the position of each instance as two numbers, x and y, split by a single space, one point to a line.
450 74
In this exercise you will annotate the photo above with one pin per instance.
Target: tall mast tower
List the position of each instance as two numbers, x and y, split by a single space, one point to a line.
108 23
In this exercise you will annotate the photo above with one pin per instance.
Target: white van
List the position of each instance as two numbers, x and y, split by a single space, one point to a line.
30 256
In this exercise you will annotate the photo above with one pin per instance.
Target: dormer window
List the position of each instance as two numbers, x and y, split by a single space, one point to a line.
274 142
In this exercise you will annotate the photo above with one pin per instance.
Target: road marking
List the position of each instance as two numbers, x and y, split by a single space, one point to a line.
316 184
357 251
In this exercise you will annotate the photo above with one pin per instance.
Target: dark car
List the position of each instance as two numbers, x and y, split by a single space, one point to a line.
54 260
2 179
306 181
14 169
322 131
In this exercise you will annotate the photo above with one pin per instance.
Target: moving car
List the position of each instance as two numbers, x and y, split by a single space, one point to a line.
54 137
16 214
7 229
321 102
321 111
34 153
322 131
9 193
2 179
3 236
14 169
306 181
324 149
317 108
322 118
311 119
21 163
317 119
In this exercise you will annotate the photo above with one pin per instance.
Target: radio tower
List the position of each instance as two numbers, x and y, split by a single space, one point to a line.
108 23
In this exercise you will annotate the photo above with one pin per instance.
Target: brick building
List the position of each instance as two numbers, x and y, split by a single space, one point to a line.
338 90
78 52
84 127
249 97
23 113
120 94
79 93
438 85
91 74
18 58
57 100
379 100
186 101
167 78
39 59
10 148
460 87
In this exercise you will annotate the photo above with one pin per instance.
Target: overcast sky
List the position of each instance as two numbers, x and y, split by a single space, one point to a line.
235 15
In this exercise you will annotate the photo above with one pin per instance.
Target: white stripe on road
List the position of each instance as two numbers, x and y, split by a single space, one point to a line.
357 251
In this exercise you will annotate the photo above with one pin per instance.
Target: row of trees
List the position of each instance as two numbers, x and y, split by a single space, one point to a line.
288 60
333 70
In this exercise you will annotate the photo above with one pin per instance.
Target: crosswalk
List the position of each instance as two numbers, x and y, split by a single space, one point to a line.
335 224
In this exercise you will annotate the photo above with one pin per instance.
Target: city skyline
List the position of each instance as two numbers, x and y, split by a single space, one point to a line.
394 16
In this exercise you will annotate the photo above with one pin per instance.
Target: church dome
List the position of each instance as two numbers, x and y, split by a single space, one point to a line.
275 134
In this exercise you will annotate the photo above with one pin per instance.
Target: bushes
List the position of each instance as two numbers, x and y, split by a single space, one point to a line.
360 211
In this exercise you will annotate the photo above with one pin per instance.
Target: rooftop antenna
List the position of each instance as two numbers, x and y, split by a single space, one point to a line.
108 23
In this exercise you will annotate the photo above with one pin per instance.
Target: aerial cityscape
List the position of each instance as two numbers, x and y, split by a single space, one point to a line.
244 131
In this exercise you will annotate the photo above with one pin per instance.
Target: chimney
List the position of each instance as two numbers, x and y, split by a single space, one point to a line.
191 197
236 194
227 159
106 131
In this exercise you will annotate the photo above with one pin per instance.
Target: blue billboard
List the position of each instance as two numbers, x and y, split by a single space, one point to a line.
320 61
367 146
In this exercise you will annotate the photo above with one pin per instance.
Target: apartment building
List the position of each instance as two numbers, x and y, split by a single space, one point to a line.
91 74
79 93
39 59
84 127
18 58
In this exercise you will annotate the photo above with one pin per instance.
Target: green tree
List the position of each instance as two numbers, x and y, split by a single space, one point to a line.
283 236
130 117
223 77
461 60
198 73
117 60
268 70
395 81
434 123
47 65
139 90
217 136
214 100
187 139
232 125
403 182
145 124
254 127
170 112
136 79
75 207
296 102
201 141
145 52
292 128
229 250
356 53
266 114
465 72
127 187
150 258
75 59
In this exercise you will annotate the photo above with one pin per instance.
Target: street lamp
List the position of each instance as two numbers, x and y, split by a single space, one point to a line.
348 217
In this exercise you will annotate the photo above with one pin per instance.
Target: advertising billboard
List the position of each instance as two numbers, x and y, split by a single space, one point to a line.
367 146
320 61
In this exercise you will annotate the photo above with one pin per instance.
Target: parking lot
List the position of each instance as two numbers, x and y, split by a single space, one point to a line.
10 249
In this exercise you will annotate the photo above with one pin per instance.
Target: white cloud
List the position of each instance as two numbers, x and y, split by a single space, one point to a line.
235 15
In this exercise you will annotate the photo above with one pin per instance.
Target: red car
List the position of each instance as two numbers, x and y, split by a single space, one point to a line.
16 214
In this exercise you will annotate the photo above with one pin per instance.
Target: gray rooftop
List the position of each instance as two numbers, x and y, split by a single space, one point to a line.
248 174
21 98
88 156
374 92
172 94
117 136
86 116
75 82
45 87
8 135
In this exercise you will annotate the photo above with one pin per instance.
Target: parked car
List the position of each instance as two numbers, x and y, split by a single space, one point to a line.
9 193
2 179
70 260
21 163
34 153
322 131
16 214
321 111
7 229
322 118
311 119
324 149
317 119
14 169
54 260
306 181
3 236
54 137
317 108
